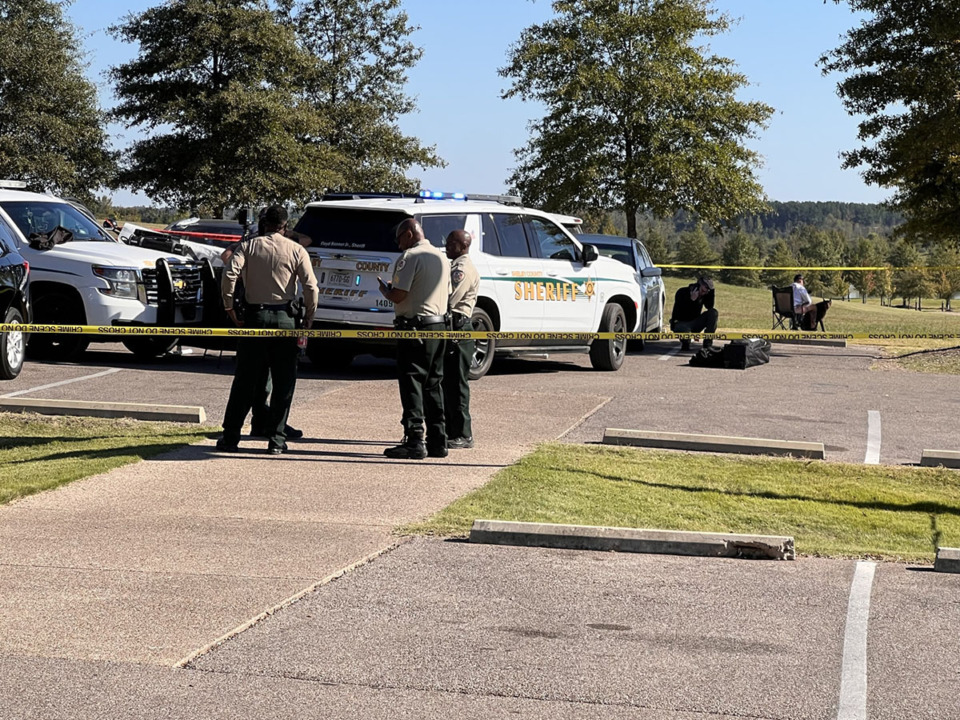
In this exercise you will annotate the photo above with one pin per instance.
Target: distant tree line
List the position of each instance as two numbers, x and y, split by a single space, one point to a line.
804 234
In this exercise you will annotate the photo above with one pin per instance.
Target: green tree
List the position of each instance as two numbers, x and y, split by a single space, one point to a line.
741 250
694 249
865 253
780 257
656 245
51 126
903 76
909 280
638 117
215 87
821 248
943 276
363 52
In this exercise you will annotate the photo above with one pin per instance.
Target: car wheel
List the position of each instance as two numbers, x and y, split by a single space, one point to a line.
484 349
149 348
331 355
12 347
609 354
663 306
57 309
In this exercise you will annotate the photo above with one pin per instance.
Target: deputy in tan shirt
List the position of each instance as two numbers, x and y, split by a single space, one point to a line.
465 281
271 265
419 293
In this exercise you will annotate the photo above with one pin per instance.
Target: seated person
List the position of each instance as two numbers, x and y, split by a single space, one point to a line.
809 312
693 311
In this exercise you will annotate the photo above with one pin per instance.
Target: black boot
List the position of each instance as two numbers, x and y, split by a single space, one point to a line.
411 448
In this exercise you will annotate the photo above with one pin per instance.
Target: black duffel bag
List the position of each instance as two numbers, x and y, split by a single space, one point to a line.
708 357
743 354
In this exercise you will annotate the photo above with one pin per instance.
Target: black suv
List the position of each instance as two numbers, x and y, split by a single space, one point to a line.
14 305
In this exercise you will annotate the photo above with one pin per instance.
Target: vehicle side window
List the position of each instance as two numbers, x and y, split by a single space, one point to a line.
513 239
554 244
490 243
645 259
7 242
437 227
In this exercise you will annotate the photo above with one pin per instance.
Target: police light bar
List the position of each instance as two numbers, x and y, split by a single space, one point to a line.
434 195
13 184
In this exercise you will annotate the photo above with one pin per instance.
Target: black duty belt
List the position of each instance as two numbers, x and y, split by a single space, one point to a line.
265 306
431 319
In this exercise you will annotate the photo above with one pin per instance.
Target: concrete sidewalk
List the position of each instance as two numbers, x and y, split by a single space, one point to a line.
154 561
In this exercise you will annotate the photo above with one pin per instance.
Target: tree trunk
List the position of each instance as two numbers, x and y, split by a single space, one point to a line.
631 220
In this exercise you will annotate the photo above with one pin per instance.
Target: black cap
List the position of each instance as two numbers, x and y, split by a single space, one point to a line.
706 281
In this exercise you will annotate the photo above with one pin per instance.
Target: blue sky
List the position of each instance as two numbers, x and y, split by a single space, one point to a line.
776 44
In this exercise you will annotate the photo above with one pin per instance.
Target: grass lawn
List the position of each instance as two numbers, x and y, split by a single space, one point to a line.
39 452
831 509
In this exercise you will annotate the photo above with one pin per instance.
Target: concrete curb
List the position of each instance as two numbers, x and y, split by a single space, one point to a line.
936 458
663 542
162 413
713 443
948 560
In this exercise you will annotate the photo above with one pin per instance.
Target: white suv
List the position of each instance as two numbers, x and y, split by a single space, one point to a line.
535 276
95 280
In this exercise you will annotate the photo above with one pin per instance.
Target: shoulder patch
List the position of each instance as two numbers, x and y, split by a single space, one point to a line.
401 263
457 276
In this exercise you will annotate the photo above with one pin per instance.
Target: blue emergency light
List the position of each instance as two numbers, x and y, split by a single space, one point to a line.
436 195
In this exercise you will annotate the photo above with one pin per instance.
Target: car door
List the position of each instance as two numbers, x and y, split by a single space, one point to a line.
514 271
10 264
567 291
652 287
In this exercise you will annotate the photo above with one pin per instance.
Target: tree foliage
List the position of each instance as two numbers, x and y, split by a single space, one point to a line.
903 75
740 250
638 117
363 51
51 125
216 88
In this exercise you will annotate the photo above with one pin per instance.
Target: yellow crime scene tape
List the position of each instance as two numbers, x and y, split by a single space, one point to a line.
384 334
832 268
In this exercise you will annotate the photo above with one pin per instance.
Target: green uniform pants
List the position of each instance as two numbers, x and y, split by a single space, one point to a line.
420 376
258 360
456 387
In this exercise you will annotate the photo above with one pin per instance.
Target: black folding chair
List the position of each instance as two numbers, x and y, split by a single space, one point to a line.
783 309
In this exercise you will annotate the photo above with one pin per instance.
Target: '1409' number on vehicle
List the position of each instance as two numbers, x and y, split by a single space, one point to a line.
384 303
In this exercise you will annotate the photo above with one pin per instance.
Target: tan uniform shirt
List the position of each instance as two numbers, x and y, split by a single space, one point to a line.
466 284
271 266
424 273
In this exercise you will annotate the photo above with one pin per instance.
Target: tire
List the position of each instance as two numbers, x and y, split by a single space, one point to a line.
609 354
61 309
331 355
149 348
663 309
12 347
485 349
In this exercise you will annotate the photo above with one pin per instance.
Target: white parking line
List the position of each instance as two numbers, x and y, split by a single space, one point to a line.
853 678
873 438
670 353
62 382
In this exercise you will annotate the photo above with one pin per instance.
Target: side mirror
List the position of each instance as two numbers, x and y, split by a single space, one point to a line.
590 254
651 272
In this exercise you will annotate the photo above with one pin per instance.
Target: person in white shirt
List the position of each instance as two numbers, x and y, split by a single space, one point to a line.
808 312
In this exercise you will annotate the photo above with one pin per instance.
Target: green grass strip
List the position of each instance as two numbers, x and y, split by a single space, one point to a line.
40 452
831 509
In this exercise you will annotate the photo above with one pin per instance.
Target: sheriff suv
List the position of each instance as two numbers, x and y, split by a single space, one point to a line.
535 276
91 279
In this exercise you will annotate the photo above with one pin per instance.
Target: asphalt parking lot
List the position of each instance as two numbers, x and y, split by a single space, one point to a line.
816 394
225 565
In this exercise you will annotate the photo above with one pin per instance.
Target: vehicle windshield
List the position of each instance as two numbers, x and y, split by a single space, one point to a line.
617 252
41 218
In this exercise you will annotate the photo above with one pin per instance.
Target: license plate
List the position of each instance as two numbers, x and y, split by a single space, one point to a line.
340 279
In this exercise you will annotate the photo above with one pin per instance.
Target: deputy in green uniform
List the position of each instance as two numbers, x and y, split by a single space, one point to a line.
465 281
270 266
419 291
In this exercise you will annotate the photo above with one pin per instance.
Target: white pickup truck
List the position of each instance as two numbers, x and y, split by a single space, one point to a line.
92 279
